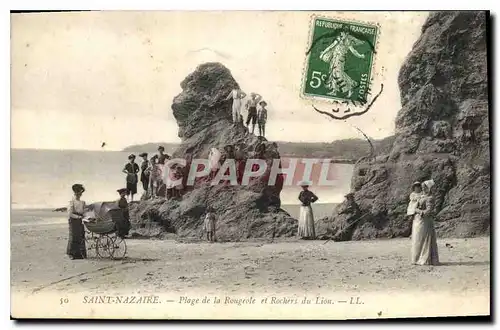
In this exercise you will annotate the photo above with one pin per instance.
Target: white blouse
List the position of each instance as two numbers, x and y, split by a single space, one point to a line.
76 206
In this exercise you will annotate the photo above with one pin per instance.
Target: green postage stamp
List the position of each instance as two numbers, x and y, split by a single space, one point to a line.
340 57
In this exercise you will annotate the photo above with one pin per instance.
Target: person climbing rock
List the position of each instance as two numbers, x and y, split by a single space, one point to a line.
350 209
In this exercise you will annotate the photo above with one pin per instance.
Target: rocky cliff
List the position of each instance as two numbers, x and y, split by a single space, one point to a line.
442 132
204 119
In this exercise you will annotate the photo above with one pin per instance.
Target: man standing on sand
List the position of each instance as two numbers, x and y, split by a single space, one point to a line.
237 95
262 118
252 109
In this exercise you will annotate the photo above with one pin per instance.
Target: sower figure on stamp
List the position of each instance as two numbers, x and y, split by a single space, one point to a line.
335 55
237 95
262 118
251 106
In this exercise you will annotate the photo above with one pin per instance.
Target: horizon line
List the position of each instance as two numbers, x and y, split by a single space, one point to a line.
176 143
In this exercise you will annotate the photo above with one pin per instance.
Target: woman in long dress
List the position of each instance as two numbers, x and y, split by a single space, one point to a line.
424 250
76 243
306 219
131 169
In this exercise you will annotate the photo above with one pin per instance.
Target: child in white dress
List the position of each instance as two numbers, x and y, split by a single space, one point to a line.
414 197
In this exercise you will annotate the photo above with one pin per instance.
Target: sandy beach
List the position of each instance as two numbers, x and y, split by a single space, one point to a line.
377 272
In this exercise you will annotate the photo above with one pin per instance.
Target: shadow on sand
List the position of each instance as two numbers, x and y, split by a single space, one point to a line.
132 259
465 263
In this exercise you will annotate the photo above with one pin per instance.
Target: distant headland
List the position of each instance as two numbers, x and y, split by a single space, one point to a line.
348 149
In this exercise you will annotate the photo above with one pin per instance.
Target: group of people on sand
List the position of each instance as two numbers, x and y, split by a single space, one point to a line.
424 249
76 248
255 106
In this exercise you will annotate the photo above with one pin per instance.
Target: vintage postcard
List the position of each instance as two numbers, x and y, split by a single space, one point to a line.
249 165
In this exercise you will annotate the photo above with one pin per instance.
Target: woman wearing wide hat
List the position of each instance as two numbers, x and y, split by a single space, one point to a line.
123 225
76 243
424 249
306 219
131 169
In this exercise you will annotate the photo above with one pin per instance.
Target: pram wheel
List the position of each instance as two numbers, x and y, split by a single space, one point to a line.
119 248
104 246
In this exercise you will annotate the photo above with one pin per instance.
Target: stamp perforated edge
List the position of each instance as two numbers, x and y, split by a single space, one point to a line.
305 65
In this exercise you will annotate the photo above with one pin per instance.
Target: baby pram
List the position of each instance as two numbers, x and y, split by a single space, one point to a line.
101 231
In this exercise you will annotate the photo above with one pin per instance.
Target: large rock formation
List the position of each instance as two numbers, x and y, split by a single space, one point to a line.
442 132
204 118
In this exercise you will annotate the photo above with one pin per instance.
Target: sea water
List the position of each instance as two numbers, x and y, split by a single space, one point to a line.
42 179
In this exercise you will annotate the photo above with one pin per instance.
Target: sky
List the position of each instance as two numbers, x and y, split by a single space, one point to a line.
80 79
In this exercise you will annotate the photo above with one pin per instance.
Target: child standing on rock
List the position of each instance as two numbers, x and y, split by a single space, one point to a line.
209 224
262 118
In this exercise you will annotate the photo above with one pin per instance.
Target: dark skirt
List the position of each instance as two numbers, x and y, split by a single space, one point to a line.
132 188
123 225
145 182
76 242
